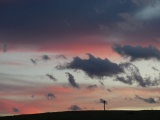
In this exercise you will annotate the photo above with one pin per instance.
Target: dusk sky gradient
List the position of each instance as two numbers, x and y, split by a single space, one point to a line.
64 55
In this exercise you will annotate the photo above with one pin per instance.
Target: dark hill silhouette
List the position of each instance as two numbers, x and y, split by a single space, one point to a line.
89 115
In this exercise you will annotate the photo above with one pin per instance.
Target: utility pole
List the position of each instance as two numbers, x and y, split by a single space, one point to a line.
104 105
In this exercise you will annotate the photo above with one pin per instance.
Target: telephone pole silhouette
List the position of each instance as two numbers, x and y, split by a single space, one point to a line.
104 102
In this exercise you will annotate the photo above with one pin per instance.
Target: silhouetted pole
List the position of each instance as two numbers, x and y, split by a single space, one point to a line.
104 105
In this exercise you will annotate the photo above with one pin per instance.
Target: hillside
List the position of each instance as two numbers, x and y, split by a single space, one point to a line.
88 115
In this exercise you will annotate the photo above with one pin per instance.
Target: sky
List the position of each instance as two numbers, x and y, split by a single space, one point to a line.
58 55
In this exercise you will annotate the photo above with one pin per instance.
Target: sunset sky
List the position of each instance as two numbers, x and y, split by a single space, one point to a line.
67 55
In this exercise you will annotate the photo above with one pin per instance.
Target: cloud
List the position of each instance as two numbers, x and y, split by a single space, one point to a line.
41 58
101 83
155 69
127 80
45 58
143 2
49 36
75 108
61 56
109 90
72 80
132 75
137 78
50 96
102 101
15 110
98 10
33 61
104 29
91 86
93 67
126 73
147 100
129 23
150 12
51 77
137 52
42 27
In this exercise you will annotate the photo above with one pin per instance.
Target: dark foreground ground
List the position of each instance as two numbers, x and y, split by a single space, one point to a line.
90 115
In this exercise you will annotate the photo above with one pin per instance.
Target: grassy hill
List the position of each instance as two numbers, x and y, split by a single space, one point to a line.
89 115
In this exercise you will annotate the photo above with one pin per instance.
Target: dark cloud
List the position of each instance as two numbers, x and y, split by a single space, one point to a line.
127 80
41 58
132 75
129 75
72 80
92 86
75 108
60 67
52 13
102 101
38 23
155 69
48 18
51 77
126 73
129 23
101 83
147 100
45 58
33 61
61 56
94 67
50 96
45 19
15 110
137 52
32 96
109 90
